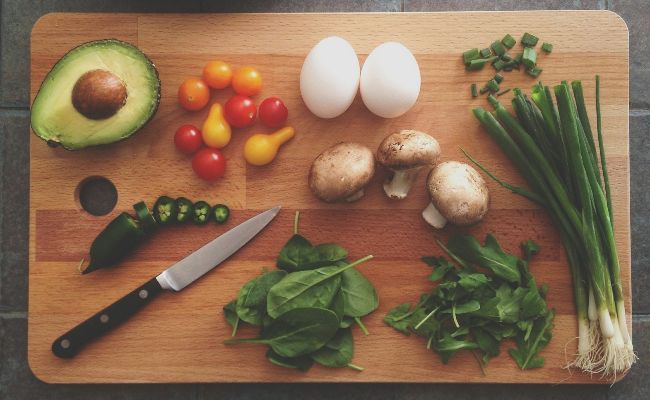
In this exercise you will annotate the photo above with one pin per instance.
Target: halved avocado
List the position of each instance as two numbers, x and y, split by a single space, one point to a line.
98 93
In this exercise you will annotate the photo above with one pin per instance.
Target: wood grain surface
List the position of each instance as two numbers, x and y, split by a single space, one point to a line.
179 337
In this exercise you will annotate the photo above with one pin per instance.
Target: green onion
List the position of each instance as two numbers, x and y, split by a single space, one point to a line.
529 40
492 86
477 64
534 72
486 52
503 92
498 48
547 47
484 90
498 78
474 90
553 147
469 55
529 58
506 57
498 65
508 41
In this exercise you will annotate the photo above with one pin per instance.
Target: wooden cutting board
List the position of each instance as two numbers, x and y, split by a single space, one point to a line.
179 337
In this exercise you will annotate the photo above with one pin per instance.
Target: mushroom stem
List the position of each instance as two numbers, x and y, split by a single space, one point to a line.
355 196
399 185
433 217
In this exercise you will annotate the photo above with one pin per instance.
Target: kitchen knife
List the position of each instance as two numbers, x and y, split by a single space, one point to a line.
174 278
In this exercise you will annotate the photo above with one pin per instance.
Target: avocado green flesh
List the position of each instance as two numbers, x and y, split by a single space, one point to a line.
55 119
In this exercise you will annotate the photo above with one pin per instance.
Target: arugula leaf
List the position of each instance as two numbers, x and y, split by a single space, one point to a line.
490 256
398 318
530 248
472 281
527 352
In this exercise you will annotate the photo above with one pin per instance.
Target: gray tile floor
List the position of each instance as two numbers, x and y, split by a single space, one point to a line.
16 380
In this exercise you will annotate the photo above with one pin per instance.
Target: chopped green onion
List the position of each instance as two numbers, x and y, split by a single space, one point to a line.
508 41
529 40
474 90
530 57
486 52
470 55
484 90
503 92
547 48
492 85
498 78
519 57
506 57
534 72
499 64
477 64
498 48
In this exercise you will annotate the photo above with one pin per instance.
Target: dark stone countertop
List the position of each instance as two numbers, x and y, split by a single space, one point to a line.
17 381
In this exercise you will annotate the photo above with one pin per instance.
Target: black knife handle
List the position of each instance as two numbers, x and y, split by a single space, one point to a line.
69 344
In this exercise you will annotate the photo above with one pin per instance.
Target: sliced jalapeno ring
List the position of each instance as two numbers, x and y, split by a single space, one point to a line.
185 209
220 213
201 213
165 210
147 220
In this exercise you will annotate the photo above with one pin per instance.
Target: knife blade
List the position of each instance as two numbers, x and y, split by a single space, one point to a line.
174 278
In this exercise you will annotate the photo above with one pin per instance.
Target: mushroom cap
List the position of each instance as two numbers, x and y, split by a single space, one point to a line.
459 192
340 171
408 149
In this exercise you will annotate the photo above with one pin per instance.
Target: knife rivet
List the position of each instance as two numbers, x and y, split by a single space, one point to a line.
65 344
103 318
143 294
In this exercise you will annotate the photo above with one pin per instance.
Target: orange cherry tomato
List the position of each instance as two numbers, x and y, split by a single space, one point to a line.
193 94
217 74
247 81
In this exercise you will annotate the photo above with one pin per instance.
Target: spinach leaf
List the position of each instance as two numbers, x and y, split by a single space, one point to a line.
297 332
230 313
338 305
312 288
298 254
490 256
251 302
346 322
337 352
302 363
359 296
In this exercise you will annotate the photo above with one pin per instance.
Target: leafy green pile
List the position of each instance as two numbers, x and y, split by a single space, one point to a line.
488 296
307 307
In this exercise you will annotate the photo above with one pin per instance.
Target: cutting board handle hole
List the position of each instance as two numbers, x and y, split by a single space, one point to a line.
96 195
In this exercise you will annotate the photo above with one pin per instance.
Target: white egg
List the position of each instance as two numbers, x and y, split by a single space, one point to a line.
329 78
390 80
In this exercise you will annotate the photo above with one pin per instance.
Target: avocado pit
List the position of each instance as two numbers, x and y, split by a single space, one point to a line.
98 94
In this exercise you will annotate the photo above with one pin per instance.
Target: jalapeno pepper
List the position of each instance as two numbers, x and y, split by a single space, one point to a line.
202 211
165 210
144 216
112 244
185 210
220 213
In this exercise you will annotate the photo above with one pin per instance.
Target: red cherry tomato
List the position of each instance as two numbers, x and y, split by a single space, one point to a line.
188 139
209 164
273 112
240 111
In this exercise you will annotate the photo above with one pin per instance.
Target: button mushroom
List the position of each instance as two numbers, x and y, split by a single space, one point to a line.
341 172
458 195
405 154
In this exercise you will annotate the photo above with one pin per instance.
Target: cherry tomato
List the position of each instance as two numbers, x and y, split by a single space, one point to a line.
193 94
240 111
188 139
247 81
217 74
209 164
273 112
